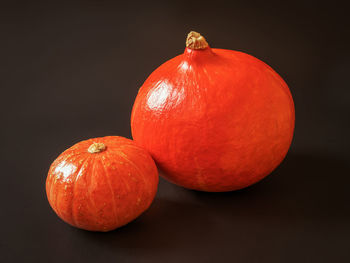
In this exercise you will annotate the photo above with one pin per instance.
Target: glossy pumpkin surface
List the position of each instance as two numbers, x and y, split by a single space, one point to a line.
101 184
214 119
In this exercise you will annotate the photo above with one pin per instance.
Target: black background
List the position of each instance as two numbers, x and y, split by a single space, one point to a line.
70 71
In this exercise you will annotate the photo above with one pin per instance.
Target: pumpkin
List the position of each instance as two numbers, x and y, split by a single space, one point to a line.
101 184
214 119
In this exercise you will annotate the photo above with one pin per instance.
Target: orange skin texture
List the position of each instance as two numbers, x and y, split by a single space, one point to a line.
214 119
105 190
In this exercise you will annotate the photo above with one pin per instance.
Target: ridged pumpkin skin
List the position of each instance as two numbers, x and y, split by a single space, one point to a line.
214 119
104 190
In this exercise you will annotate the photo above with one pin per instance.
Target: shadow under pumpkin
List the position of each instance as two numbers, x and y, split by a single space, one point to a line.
303 203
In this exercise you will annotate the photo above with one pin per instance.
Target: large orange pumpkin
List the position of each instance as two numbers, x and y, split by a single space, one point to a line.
214 119
101 184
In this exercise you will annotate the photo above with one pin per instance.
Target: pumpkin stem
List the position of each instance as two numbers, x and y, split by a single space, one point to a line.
196 41
96 147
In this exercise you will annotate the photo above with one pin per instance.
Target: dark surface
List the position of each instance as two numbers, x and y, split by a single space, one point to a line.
71 71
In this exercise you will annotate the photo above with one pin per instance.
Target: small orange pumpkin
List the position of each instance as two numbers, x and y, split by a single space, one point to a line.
101 184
